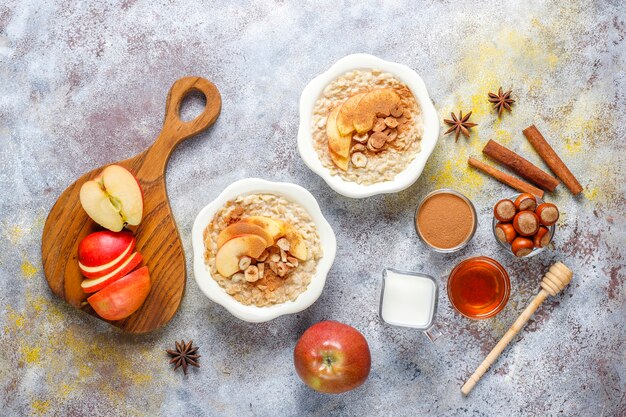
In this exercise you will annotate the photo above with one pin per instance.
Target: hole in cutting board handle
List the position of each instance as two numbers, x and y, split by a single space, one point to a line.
192 106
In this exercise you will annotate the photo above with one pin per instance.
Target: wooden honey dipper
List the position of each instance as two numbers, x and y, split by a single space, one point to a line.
553 282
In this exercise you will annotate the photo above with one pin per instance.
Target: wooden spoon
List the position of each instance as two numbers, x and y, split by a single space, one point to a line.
157 236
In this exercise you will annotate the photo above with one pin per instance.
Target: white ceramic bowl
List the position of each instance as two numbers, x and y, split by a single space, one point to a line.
314 89
212 289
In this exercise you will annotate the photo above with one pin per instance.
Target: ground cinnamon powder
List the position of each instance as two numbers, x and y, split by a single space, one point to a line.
445 220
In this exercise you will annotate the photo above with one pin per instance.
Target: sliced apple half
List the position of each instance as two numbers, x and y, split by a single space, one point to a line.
241 228
376 101
227 258
274 227
340 161
297 245
123 297
345 117
95 284
337 143
113 198
102 252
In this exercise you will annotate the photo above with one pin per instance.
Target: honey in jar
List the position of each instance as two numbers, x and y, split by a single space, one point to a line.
478 287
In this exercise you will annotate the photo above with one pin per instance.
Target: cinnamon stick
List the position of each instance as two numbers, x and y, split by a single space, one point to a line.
550 157
519 165
511 181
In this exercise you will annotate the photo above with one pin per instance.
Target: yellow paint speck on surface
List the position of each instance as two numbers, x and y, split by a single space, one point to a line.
591 194
28 269
40 407
31 355
15 318
15 234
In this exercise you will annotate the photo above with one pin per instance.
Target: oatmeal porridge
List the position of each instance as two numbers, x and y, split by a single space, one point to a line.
367 126
262 249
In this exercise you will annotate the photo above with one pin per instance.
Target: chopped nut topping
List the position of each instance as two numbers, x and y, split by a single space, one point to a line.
252 273
273 267
293 261
362 138
275 257
238 277
244 263
380 125
359 159
283 256
392 134
261 268
358 148
377 140
397 111
281 269
283 244
407 113
391 122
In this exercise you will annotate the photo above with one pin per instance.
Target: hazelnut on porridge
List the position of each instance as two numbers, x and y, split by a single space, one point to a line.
262 249
367 126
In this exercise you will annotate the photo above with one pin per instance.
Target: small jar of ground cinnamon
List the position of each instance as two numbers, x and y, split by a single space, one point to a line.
445 220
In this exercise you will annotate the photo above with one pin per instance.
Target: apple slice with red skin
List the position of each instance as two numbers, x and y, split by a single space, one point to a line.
243 228
103 252
113 199
123 297
227 257
95 284
332 357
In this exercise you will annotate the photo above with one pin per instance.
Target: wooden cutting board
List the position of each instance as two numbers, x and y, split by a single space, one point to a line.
157 236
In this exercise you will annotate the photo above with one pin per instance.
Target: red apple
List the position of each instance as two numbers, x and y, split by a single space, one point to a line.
93 285
103 252
123 297
113 199
332 357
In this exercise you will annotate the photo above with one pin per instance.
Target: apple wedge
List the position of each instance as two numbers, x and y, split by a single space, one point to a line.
241 228
274 227
227 258
95 284
345 117
123 297
113 199
297 245
341 162
374 102
337 143
103 252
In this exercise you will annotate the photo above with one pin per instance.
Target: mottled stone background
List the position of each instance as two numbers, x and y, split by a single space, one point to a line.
83 85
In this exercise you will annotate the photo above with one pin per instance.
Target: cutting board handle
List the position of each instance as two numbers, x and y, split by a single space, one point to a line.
176 130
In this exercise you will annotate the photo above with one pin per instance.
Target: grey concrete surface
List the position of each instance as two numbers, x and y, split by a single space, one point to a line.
83 84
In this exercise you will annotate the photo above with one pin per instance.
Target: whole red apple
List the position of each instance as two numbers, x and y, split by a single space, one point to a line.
332 357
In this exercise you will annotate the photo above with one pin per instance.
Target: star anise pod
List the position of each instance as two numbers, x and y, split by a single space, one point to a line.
184 355
501 100
459 125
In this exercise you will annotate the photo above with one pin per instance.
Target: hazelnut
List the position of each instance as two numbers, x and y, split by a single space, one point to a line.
505 232
504 210
252 273
526 223
525 201
548 214
542 237
283 244
522 246
244 262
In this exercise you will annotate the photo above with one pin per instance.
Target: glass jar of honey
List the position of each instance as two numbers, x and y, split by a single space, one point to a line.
479 287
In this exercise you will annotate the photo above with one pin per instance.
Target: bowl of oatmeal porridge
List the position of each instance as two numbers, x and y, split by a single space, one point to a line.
262 249
367 126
